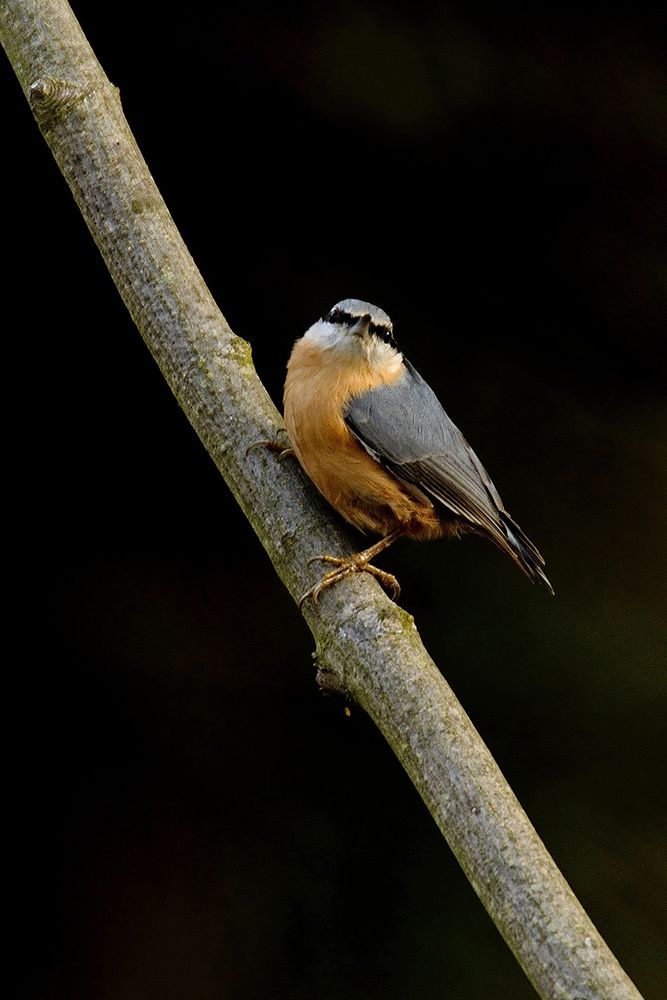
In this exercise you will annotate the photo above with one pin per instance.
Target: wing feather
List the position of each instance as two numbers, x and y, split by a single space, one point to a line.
404 427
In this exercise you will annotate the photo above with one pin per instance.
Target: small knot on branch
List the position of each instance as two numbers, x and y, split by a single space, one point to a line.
51 99
327 679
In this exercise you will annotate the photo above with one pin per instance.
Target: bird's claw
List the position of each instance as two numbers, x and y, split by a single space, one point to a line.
345 567
272 445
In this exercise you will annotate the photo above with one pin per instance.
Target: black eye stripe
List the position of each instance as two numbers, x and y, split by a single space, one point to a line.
339 316
378 330
383 333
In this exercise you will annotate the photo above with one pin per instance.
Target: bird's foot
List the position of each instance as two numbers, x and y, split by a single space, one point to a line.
359 563
283 448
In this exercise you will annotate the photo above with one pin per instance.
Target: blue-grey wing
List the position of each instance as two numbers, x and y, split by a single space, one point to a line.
404 426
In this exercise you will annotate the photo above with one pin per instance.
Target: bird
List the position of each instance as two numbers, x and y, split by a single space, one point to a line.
375 440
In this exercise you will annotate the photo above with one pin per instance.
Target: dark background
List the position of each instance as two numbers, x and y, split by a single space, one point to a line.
195 819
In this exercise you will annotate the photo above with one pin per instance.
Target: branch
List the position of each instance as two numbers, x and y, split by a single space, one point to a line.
366 646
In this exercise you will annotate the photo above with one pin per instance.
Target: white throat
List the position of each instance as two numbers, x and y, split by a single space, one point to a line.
381 357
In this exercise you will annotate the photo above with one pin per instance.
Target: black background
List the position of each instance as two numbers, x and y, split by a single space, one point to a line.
195 818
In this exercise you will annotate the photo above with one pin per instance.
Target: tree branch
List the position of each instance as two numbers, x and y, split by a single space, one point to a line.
366 646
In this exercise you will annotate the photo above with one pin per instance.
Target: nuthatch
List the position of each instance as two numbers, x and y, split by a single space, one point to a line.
374 439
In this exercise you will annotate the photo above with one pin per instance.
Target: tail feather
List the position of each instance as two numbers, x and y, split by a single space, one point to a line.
525 553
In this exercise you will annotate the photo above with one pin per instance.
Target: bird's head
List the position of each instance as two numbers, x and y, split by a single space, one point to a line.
359 330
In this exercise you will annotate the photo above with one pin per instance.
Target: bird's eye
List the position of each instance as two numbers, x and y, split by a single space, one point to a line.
383 333
340 317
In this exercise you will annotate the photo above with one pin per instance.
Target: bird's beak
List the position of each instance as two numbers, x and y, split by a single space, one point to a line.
360 328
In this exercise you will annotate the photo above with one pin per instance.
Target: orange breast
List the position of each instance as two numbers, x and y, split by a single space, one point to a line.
317 390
